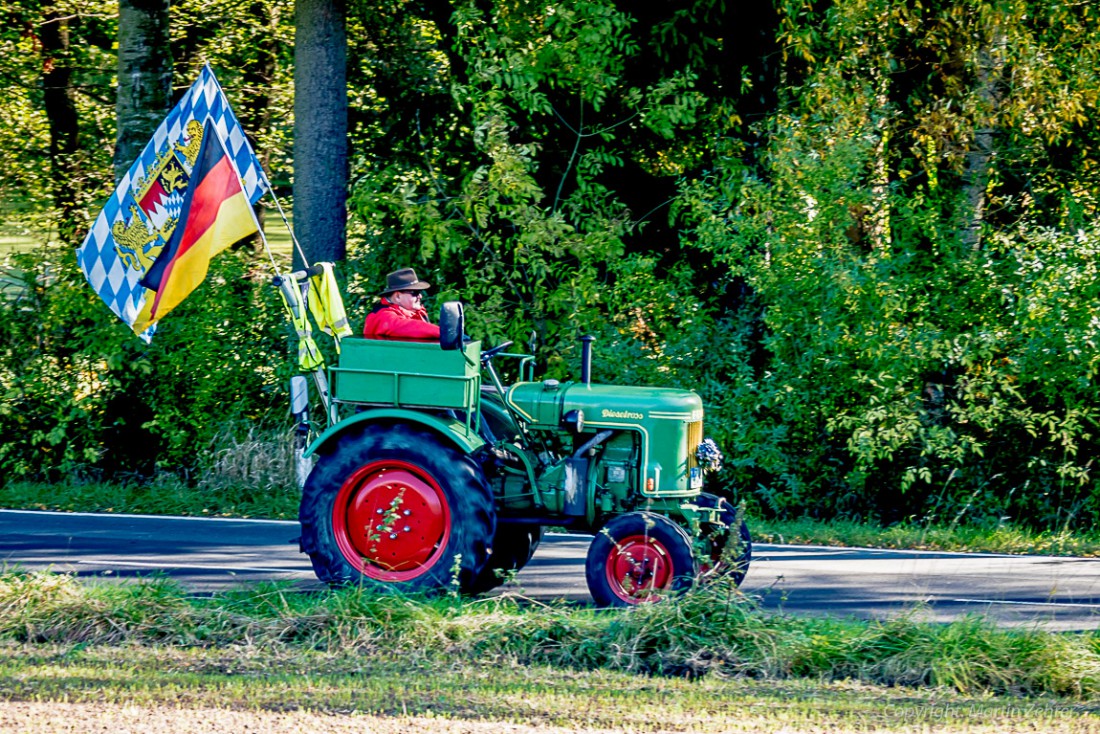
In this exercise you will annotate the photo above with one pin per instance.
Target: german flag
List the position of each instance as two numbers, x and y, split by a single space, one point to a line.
215 214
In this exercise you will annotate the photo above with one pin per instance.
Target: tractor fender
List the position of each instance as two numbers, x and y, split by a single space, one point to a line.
450 429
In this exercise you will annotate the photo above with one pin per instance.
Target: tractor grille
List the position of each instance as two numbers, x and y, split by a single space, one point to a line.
694 438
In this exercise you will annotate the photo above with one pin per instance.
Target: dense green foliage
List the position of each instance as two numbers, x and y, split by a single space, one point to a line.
84 397
909 368
863 230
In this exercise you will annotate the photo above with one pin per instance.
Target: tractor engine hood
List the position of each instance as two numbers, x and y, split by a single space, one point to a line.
605 406
668 423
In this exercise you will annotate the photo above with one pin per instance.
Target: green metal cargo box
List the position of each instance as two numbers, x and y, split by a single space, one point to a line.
407 374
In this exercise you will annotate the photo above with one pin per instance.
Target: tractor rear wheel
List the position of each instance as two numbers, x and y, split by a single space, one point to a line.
513 546
637 556
394 506
729 544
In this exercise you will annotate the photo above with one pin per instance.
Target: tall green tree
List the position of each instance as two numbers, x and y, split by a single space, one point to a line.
532 161
58 123
919 197
60 104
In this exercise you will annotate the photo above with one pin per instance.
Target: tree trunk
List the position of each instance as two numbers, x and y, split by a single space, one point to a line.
979 160
63 120
144 77
320 128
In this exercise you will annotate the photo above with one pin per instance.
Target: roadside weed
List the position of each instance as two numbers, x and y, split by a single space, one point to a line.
713 630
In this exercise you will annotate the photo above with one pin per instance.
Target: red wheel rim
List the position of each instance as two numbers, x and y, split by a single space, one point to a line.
391 521
637 566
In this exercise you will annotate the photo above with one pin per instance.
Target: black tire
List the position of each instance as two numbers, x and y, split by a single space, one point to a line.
395 507
724 557
636 554
513 546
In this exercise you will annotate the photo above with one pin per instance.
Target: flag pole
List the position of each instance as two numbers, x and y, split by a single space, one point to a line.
319 377
286 222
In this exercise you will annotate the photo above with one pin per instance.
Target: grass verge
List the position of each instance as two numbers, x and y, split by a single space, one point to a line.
245 473
713 630
708 661
1003 539
166 495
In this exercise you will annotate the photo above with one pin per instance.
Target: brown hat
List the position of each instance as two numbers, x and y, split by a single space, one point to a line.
404 280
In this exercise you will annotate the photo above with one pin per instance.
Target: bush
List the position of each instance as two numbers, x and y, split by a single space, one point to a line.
84 396
885 372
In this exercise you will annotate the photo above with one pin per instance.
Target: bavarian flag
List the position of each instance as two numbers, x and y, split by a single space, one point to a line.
142 216
216 213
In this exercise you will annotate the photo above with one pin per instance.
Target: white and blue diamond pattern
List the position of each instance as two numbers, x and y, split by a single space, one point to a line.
115 282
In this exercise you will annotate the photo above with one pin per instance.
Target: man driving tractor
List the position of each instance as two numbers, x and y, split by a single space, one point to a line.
401 315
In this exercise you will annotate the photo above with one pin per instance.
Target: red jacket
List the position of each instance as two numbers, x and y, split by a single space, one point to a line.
390 321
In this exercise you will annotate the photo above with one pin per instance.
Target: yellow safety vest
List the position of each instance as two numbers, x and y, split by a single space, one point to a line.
309 355
327 306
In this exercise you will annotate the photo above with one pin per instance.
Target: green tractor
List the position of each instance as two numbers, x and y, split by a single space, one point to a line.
428 479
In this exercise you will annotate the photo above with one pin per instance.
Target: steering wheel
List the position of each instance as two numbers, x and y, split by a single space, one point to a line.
490 353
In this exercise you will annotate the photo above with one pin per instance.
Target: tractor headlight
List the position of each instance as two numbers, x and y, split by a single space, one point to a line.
574 421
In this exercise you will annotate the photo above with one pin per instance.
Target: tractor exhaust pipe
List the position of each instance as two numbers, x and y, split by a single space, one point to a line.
586 359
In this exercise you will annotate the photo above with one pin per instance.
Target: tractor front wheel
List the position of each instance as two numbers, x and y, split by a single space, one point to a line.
637 556
396 507
729 544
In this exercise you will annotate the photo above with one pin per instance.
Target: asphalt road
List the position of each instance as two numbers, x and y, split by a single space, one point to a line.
1055 593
